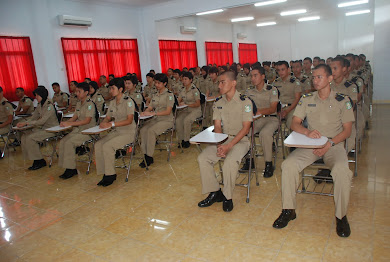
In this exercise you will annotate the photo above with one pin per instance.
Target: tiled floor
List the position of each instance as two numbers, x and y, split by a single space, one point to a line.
154 217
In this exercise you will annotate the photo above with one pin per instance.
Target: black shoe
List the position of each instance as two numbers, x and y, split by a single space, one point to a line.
284 218
186 144
107 180
149 161
273 147
120 153
82 150
101 181
227 205
180 145
38 164
323 175
69 173
15 143
213 197
269 170
342 227
245 167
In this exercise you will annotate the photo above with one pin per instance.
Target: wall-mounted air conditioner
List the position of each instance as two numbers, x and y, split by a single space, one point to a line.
241 36
70 20
188 30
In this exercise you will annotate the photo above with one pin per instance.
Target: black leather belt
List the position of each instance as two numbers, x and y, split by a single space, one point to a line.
270 116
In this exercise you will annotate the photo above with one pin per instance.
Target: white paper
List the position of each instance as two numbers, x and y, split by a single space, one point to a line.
299 140
95 129
57 128
208 136
70 115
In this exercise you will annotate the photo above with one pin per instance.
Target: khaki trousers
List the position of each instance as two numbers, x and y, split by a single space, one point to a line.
184 123
208 115
30 141
289 118
266 126
336 159
208 158
149 133
105 150
68 144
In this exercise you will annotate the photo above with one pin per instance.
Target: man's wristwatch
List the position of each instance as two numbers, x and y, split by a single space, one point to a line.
112 124
331 142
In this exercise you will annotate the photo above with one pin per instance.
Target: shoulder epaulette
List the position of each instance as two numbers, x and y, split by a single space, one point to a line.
3 103
89 100
276 80
348 83
339 97
354 79
292 79
125 98
169 91
303 80
269 87
307 95
218 98
243 97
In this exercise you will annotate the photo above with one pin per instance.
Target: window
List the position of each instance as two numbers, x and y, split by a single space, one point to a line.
16 66
177 54
247 53
219 53
93 57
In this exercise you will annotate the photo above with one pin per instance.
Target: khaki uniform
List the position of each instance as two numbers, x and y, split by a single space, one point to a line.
188 115
268 124
61 98
119 136
98 99
287 90
305 83
43 117
270 75
232 113
213 89
104 90
248 82
24 102
68 144
204 84
309 74
327 116
6 110
73 100
160 102
176 86
149 91
139 87
241 82
357 80
137 97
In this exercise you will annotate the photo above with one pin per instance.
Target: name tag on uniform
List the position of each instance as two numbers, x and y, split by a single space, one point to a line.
311 105
219 107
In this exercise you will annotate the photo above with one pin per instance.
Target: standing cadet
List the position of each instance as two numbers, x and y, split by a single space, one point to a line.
6 114
328 114
83 118
232 115
161 107
307 63
60 98
211 93
270 72
43 117
149 89
121 108
73 97
96 97
297 73
25 106
290 91
266 99
104 90
188 96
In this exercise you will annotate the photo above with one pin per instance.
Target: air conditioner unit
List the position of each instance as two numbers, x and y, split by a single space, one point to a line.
71 20
188 30
241 36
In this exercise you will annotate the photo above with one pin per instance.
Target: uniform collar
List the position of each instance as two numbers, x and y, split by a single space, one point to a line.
4 99
163 92
318 99
236 97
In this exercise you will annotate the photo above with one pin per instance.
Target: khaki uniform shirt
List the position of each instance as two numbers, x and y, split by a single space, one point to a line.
83 111
149 90
213 88
44 116
73 100
204 84
139 87
137 97
357 81
241 82
327 116
305 83
176 86
6 110
60 98
248 81
104 90
288 89
345 87
233 113
98 99
270 75
265 97
161 101
120 112
26 101
308 74
189 97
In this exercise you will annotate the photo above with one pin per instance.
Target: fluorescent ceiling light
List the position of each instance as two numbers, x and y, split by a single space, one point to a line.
210 12
293 12
242 19
309 18
266 24
352 3
270 2
357 12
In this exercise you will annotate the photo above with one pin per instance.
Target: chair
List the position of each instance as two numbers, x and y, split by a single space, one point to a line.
200 119
54 139
5 137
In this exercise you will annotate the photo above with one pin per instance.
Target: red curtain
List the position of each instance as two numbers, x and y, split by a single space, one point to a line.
177 54
17 67
247 53
93 57
219 53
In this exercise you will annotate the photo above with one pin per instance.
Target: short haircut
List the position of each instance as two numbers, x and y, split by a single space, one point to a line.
326 68
350 55
239 64
150 75
256 64
84 86
87 78
111 75
185 68
103 76
224 68
118 82
206 68
283 62
331 58
347 63
297 62
192 69
188 75
94 85
230 74
177 71
341 60
55 84
1 89
322 60
308 58
152 71
362 56
247 66
260 69
132 78
317 57
213 70
74 82
20 88
161 78
266 63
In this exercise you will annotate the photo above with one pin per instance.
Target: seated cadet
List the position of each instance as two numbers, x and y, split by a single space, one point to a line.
270 73
121 108
305 81
87 80
60 98
329 60
130 90
149 88
266 99
189 96
328 114
104 89
290 91
307 64
83 118
160 106
247 84
73 97
212 92
177 85
232 115
110 77
25 106
316 61
6 114
43 117
203 79
96 97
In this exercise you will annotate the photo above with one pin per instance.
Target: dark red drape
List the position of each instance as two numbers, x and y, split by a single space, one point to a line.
247 53
16 66
93 57
219 53
177 54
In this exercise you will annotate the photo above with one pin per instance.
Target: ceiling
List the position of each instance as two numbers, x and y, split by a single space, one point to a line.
131 3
